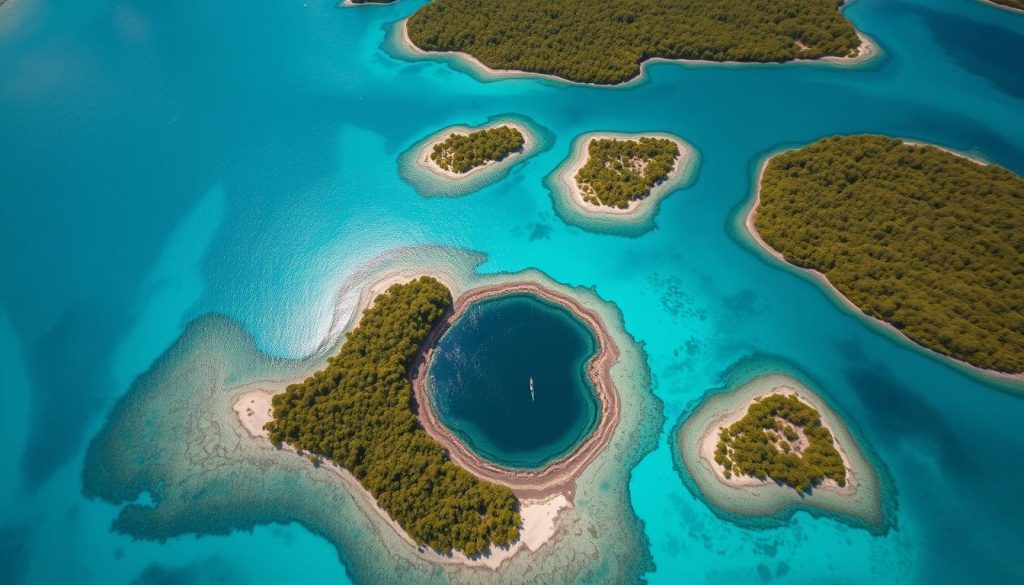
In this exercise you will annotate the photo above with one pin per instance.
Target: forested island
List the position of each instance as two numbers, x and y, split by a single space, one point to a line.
923 239
769 445
600 42
781 439
357 413
618 172
461 153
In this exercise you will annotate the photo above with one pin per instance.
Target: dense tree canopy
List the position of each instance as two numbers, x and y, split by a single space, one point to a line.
461 153
780 438
921 238
357 412
620 171
598 41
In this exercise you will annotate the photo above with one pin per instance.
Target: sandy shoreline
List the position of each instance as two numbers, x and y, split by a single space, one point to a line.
423 156
253 409
560 476
565 175
750 218
867 50
543 494
709 441
695 439
989 2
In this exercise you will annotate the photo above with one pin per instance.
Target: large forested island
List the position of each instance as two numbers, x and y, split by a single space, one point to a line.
924 239
780 438
461 153
618 172
602 42
357 413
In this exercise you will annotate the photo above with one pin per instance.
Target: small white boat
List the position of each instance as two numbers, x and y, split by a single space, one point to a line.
531 389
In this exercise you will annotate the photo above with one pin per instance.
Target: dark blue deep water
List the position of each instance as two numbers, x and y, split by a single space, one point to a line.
480 376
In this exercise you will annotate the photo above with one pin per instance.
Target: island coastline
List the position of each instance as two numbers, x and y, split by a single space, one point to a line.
544 494
401 45
742 498
529 145
748 228
430 180
639 215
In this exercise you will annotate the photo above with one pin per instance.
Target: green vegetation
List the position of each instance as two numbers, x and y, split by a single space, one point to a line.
604 42
461 153
620 171
921 238
767 444
357 412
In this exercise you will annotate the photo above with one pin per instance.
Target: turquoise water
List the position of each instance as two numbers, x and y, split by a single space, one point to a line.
481 374
164 161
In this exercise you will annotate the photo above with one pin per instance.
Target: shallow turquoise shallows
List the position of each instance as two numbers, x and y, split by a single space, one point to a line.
509 379
161 161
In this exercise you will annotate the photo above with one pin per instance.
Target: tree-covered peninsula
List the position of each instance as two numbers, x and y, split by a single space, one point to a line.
618 172
357 412
921 238
461 153
782 439
596 41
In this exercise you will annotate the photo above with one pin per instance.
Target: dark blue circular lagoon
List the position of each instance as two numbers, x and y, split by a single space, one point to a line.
509 379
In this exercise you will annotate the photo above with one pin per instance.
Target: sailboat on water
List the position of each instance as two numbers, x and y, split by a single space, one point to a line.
531 389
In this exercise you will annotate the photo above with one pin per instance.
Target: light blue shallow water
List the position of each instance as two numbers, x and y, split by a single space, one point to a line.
159 162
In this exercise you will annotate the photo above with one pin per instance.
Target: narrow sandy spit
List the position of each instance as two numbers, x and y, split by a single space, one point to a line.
569 190
821 279
423 156
543 495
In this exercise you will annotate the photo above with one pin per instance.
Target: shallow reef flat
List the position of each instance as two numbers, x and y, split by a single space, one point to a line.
176 437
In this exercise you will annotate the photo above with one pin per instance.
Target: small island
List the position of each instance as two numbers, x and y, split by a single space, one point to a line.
925 240
613 182
462 153
357 413
591 41
461 159
781 438
772 446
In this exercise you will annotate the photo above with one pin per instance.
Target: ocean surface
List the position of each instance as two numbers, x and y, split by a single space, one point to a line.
509 379
164 161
